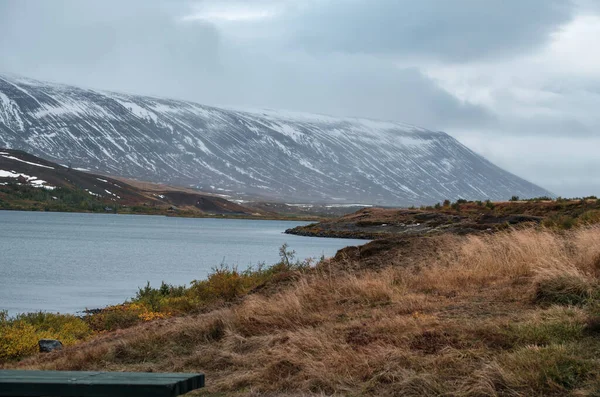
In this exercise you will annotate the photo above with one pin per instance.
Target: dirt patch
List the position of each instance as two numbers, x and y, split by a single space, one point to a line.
359 336
432 342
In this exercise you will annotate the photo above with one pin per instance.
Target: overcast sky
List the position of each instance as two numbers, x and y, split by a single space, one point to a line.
518 81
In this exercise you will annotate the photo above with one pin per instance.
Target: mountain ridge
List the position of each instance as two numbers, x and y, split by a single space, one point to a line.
290 156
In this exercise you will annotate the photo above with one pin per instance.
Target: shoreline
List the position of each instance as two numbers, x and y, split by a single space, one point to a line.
298 231
183 215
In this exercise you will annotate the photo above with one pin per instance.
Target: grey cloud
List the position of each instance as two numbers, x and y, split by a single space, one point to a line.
588 6
458 30
149 50
553 126
104 44
540 126
343 85
354 86
562 165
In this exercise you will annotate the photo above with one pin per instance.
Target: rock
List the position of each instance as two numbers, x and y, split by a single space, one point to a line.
48 345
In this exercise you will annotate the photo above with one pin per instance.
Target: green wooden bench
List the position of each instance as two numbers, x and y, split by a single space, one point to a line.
96 384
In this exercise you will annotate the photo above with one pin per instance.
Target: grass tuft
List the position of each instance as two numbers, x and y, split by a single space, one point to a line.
550 371
564 287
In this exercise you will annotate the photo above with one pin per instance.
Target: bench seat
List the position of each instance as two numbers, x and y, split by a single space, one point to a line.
97 384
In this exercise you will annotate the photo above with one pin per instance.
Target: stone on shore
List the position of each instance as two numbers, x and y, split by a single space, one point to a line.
48 345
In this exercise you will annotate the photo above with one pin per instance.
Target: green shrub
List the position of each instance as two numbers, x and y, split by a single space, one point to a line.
563 222
225 283
589 217
115 317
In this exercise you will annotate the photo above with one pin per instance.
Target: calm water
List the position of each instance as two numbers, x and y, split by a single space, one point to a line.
69 262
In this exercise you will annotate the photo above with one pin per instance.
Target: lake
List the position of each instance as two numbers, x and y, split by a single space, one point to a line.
67 262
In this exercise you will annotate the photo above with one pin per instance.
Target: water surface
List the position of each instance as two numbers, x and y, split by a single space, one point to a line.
67 262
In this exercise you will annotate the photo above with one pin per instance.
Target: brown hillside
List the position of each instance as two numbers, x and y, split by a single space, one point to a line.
107 190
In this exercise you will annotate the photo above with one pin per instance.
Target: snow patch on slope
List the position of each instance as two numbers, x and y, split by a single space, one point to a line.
137 110
26 162
9 113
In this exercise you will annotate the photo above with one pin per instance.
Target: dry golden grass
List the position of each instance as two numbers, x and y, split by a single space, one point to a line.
510 314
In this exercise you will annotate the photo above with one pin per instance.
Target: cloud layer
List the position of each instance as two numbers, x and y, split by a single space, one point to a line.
518 81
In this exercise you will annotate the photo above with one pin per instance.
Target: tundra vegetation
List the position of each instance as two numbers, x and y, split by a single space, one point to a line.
515 312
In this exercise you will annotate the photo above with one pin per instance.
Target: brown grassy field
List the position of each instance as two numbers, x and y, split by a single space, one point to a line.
516 313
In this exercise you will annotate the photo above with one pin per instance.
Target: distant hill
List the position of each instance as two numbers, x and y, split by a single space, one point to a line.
276 155
29 182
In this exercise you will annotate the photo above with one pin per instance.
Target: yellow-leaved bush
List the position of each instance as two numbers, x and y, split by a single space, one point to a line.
17 340
19 336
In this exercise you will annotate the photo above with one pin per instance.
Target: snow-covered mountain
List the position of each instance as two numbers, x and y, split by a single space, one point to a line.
279 155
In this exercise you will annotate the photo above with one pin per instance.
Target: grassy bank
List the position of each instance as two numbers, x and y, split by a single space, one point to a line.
222 287
516 313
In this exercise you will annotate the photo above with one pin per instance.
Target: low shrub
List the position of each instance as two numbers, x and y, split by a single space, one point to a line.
563 222
155 298
589 217
17 340
113 317
224 283
65 327
19 336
